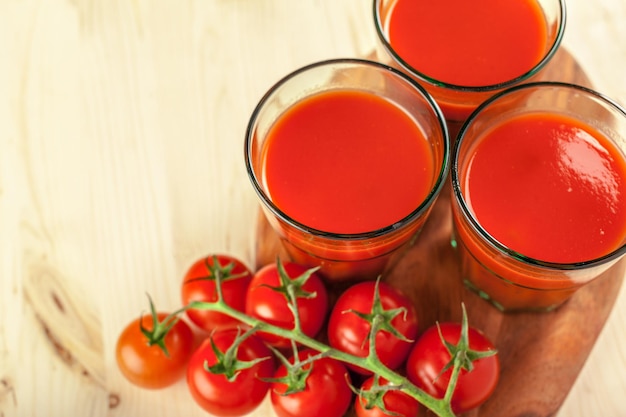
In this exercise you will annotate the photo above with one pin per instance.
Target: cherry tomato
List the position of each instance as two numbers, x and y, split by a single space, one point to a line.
264 303
349 333
397 403
429 356
148 365
218 395
199 285
326 393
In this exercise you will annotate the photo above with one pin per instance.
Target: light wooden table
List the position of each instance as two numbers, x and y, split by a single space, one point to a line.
121 162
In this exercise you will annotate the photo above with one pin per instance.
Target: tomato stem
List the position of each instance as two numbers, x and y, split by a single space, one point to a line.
292 289
227 362
373 397
440 407
462 357
297 372
379 319
156 335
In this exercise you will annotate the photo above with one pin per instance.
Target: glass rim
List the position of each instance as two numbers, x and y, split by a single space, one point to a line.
475 224
421 208
472 89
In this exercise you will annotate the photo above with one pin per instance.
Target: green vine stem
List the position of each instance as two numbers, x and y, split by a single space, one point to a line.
441 407
461 354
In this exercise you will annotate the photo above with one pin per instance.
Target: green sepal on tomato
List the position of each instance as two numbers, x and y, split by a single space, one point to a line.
152 352
350 323
376 398
325 390
199 285
277 289
227 374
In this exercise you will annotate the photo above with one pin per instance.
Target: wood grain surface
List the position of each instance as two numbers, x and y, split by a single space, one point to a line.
121 163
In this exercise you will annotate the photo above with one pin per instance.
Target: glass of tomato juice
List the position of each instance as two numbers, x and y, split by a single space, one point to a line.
464 51
347 157
539 194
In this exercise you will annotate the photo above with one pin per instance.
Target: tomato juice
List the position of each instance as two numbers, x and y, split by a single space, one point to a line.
347 162
551 190
347 157
462 51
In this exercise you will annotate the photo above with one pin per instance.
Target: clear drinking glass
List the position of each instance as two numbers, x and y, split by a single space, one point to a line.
341 255
458 97
508 277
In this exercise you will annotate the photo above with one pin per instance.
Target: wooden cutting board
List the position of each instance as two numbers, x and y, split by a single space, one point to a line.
541 353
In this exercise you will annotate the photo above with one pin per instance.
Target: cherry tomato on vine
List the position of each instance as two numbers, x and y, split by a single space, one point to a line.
265 303
429 356
397 403
349 332
218 395
199 285
156 363
326 392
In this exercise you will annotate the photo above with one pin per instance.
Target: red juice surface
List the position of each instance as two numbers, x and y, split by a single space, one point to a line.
549 187
347 162
469 43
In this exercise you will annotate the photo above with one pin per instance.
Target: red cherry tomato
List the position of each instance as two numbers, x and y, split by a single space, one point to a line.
148 366
348 332
264 303
327 392
199 285
397 403
214 392
429 356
